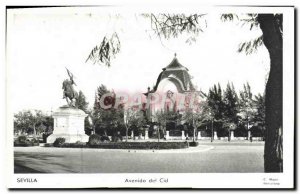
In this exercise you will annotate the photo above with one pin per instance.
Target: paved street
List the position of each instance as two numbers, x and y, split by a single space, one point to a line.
208 157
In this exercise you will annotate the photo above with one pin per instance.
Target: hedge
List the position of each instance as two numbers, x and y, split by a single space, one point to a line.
27 144
193 144
22 141
142 145
127 145
59 142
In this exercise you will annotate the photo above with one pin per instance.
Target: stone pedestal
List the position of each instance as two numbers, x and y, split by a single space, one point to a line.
146 134
182 135
140 136
199 135
167 135
215 135
132 135
68 124
249 134
231 135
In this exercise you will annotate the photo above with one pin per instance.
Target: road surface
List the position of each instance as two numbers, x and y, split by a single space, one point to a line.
220 157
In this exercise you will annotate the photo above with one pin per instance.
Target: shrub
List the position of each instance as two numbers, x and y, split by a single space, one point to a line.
117 138
59 142
35 142
74 145
176 133
26 144
94 139
193 144
45 135
22 139
78 144
105 138
48 145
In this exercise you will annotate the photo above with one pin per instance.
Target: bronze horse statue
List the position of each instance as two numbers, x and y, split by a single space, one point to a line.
69 92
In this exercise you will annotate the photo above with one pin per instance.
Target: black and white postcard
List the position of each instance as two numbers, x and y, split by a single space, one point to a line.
150 97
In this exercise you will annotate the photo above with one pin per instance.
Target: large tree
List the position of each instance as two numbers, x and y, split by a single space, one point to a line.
259 116
107 120
215 102
173 25
271 27
247 108
29 121
134 117
230 109
81 102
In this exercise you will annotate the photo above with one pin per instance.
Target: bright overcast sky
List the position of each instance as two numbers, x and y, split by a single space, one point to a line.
42 43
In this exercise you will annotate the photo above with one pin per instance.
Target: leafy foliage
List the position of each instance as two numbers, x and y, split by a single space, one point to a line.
110 120
247 106
215 102
172 25
228 17
32 122
59 142
230 105
259 116
81 102
134 119
106 50
94 139
22 139
251 46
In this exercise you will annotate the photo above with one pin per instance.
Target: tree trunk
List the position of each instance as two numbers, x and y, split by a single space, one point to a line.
158 133
126 133
272 39
34 130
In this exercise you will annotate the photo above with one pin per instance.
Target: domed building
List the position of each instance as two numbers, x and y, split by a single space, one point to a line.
175 74
173 87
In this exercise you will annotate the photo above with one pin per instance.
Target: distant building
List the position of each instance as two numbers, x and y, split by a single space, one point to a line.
174 87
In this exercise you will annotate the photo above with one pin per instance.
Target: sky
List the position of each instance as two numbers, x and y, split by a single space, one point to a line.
42 42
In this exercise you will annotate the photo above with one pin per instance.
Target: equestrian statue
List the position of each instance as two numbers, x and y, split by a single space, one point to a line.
69 92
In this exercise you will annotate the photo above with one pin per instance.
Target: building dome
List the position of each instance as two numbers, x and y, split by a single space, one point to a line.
177 74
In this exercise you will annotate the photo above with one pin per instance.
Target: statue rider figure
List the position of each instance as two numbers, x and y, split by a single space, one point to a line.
68 90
